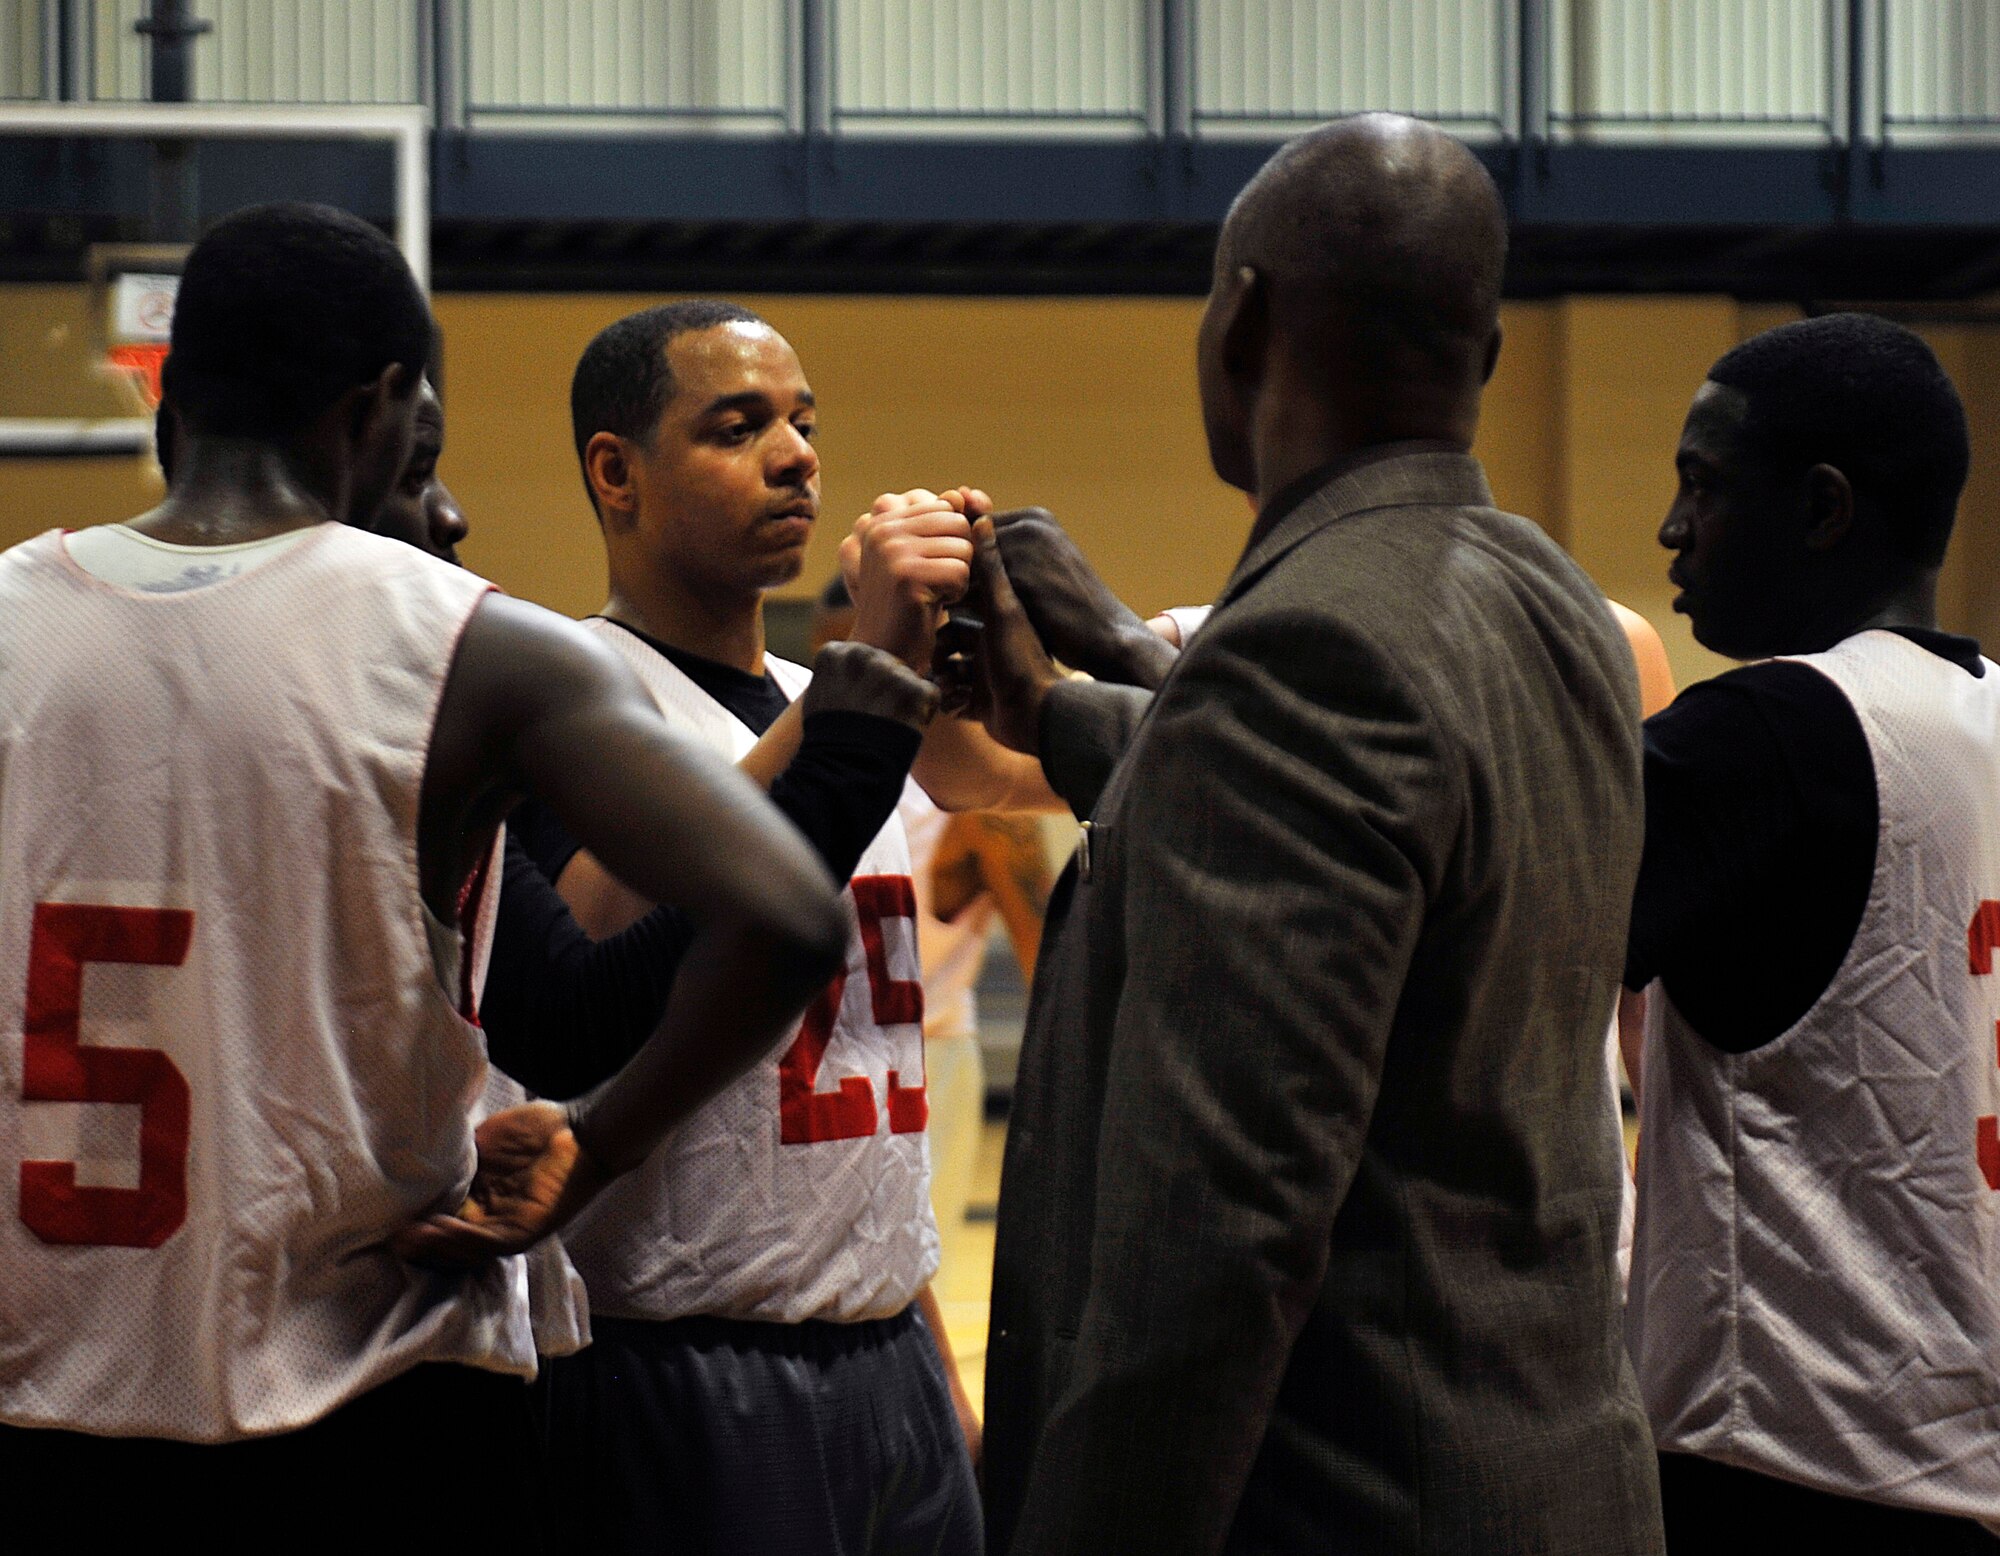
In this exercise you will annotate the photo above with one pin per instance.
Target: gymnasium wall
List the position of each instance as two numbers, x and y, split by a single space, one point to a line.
1085 405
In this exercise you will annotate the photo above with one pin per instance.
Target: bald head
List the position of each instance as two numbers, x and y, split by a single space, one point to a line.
1356 299
1386 223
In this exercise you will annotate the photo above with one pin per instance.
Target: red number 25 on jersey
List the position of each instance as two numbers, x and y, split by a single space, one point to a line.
806 1115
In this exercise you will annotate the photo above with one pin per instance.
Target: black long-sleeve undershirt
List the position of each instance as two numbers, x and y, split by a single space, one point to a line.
1761 821
564 1012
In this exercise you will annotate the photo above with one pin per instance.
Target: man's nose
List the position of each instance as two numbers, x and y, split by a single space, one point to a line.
796 459
447 519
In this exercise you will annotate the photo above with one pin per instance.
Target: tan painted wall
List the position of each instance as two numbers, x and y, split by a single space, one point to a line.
1086 405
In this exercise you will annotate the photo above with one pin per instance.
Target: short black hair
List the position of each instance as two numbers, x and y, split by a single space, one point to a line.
282 309
622 382
1869 398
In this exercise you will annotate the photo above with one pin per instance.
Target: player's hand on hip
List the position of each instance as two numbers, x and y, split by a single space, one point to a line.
1075 613
856 677
531 1179
1014 670
909 563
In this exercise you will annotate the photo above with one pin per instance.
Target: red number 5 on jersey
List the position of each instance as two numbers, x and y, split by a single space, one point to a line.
56 1066
806 1115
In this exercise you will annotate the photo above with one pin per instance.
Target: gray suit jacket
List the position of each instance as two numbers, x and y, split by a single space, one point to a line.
1310 1206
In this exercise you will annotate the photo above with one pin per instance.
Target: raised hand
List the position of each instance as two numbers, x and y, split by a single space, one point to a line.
1012 671
907 559
1077 616
531 1179
854 677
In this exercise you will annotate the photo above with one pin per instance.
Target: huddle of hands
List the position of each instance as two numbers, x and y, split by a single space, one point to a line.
960 609
957 609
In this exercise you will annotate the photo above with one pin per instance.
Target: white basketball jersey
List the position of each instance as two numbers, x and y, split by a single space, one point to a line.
803 1190
1816 1278
228 1071
557 1303
1628 1194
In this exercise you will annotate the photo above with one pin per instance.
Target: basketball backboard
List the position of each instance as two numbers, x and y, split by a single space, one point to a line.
132 288
82 359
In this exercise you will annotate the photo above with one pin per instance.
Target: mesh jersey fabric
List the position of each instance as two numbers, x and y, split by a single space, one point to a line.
119 554
1816 1274
228 1071
802 1190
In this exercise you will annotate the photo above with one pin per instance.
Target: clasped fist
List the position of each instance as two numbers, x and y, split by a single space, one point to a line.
908 559
1074 612
855 677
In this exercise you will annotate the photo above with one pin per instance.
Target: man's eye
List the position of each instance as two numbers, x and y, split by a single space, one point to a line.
738 432
807 429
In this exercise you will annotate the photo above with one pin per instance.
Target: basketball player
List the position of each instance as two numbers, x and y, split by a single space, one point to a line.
250 756
760 1379
563 1012
1815 1301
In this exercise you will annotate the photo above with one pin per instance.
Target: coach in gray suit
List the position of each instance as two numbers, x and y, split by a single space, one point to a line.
1310 1202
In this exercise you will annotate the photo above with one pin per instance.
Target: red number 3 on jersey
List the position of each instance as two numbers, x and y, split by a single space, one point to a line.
56 1066
1981 937
806 1115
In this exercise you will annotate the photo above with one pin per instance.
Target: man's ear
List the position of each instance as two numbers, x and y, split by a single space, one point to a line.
1829 508
1245 307
367 403
607 469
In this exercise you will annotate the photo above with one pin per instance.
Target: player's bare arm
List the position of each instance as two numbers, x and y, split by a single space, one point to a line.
1649 654
535 705
1002 855
961 1401
1656 690
961 767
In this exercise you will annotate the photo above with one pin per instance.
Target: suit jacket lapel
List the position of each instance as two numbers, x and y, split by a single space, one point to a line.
1404 481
